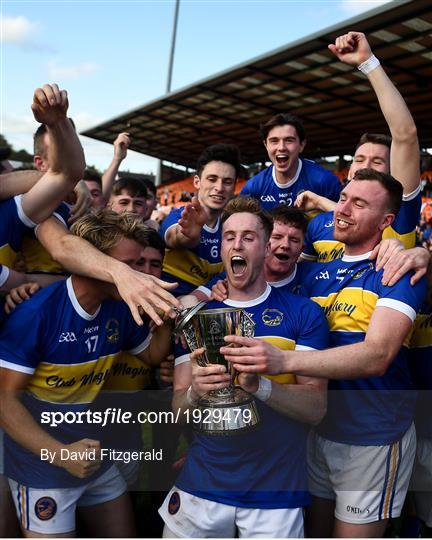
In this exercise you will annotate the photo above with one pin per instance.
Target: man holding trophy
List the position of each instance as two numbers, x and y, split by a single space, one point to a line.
253 481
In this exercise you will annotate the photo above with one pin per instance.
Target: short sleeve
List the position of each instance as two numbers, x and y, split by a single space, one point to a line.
313 327
171 220
402 296
20 339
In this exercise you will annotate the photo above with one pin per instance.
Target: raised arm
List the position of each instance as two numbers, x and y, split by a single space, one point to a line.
66 156
187 232
354 49
121 145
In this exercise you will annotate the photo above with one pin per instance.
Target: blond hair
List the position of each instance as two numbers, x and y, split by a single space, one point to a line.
104 228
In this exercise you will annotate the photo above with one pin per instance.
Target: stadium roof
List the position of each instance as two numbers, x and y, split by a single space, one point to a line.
334 100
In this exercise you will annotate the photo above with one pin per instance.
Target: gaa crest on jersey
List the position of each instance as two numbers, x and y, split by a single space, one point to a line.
361 272
112 328
272 317
45 508
174 503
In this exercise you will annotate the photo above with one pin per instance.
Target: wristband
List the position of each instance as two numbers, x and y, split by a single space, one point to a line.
189 398
369 65
264 389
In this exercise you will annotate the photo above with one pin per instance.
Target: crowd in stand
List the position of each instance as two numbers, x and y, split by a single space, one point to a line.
334 273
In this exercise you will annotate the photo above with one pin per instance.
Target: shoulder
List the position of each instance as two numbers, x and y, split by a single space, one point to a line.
262 175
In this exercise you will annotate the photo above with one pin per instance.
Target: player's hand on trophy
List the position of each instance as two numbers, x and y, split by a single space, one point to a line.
248 381
192 219
250 355
81 458
207 378
220 290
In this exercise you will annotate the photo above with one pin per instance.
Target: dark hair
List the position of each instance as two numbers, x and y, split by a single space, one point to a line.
92 176
245 203
38 139
375 138
133 186
283 119
392 186
289 216
38 142
149 185
155 240
227 153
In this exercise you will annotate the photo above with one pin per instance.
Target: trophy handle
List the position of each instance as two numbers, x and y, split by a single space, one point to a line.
248 325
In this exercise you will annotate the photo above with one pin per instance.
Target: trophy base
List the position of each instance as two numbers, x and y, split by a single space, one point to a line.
228 414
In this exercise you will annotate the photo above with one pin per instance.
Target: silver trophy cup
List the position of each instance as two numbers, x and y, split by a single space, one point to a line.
230 410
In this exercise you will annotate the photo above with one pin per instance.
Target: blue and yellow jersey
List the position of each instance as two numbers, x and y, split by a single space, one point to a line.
37 258
420 356
309 176
124 389
320 245
195 266
264 467
14 223
292 283
374 410
68 354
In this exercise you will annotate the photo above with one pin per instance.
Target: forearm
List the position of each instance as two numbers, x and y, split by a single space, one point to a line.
301 402
180 403
359 360
19 424
66 155
393 106
160 345
78 256
109 176
15 183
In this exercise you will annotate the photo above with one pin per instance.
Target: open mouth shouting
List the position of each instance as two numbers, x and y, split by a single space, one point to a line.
282 257
282 159
238 265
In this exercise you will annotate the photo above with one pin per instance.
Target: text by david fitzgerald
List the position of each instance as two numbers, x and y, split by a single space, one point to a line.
125 456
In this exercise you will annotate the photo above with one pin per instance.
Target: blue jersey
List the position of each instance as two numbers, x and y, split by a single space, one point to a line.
321 246
374 410
69 354
292 282
421 368
195 266
37 258
265 467
14 223
124 389
309 176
